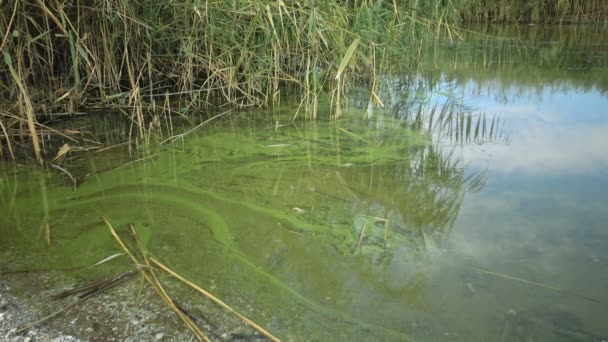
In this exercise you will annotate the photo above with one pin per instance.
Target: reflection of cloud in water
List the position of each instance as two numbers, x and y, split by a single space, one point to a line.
532 233
549 149
558 131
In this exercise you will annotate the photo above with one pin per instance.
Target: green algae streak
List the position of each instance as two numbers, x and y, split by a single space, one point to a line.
271 215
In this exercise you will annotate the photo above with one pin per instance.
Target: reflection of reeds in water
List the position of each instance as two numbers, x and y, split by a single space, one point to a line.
410 99
421 194
522 12
433 177
418 200
436 190
516 61
464 128
538 11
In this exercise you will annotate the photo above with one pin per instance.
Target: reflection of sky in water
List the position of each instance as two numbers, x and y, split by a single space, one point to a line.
555 166
543 211
552 131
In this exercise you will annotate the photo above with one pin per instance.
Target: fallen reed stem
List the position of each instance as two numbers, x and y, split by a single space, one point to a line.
149 275
181 135
67 173
545 286
92 291
215 300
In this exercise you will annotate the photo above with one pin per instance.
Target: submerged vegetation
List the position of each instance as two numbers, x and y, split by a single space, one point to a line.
152 60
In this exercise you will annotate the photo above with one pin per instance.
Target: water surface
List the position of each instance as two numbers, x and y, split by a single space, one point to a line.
472 206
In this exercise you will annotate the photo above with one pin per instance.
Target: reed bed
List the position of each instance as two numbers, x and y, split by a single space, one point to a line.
155 59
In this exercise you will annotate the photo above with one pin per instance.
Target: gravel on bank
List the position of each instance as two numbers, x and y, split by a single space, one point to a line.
116 314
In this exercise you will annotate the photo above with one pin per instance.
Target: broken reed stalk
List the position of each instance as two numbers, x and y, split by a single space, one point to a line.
354 135
94 286
67 173
92 290
171 303
8 141
175 137
545 286
142 254
149 275
47 233
215 300
360 238
518 279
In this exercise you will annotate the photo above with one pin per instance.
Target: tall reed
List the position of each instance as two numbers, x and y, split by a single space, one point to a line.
60 57
153 58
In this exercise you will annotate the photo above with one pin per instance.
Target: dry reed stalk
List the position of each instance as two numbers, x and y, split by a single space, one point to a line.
67 173
161 291
360 238
215 300
132 54
175 137
89 288
156 284
29 109
9 26
47 233
90 292
545 286
8 141
354 135
149 275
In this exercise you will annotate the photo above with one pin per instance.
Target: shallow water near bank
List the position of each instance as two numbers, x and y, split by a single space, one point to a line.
482 219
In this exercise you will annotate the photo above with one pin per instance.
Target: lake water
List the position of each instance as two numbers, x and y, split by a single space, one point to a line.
472 206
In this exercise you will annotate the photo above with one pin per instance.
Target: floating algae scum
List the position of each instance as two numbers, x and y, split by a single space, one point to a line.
464 209
252 234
